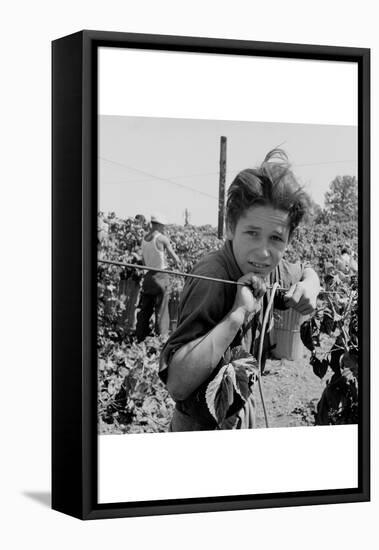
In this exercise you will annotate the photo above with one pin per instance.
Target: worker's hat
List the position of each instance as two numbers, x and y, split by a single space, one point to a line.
158 218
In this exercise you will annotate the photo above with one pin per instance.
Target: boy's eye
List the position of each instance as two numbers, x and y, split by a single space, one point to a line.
254 233
277 238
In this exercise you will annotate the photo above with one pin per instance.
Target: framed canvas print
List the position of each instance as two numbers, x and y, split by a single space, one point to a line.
211 290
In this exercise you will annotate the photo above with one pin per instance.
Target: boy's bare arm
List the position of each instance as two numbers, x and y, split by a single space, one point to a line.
193 363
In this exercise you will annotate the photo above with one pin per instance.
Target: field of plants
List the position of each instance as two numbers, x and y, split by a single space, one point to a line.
319 388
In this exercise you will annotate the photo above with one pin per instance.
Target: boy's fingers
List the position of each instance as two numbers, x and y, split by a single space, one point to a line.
296 299
258 286
293 296
288 295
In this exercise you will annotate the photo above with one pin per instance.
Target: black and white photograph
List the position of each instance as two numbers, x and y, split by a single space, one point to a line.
227 275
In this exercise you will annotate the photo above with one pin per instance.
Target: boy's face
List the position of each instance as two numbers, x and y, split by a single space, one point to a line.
259 239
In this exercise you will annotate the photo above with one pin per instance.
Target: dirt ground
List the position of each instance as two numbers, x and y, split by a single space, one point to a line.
291 391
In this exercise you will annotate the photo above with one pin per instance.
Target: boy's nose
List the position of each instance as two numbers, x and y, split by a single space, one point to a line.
263 253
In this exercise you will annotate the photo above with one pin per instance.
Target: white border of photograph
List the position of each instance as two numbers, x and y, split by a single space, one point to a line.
226 87
137 467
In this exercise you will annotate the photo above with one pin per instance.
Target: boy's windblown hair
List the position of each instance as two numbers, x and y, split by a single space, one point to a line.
271 184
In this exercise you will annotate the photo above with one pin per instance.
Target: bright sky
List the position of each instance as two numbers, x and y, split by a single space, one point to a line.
166 165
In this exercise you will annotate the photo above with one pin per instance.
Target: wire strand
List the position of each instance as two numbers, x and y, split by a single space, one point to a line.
275 287
192 275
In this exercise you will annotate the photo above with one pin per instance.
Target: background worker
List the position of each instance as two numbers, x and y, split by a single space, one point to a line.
155 291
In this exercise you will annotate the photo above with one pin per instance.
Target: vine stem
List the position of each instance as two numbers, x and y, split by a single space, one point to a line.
347 311
323 353
275 286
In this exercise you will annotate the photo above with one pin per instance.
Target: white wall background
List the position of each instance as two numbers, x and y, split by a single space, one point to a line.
28 28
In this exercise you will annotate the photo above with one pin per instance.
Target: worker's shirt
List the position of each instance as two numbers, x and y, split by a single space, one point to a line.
152 255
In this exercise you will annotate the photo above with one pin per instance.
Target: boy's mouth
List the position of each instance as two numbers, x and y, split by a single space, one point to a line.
257 265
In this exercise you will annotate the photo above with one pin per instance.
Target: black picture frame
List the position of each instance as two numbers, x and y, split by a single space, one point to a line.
74 294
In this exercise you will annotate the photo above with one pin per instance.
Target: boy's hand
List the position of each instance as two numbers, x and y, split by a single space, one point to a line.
248 298
302 297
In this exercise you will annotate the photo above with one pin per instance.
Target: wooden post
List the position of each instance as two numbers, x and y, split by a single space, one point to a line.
221 190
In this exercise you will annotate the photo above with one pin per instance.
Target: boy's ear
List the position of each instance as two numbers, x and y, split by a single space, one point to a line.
229 233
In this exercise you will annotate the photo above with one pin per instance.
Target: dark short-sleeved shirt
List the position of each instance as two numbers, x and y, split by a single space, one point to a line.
202 306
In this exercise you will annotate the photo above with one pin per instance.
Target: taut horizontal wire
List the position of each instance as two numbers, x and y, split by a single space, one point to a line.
193 276
171 272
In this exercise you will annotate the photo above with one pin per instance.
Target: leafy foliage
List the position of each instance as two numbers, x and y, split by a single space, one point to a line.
132 399
341 201
320 243
336 318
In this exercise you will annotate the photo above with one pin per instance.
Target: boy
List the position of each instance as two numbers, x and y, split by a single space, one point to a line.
264 207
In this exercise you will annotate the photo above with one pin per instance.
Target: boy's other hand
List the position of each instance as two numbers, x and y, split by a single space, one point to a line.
302 298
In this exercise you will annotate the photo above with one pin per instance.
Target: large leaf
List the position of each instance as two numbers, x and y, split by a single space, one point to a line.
227 393
320 367
246 370
238 352
220 393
